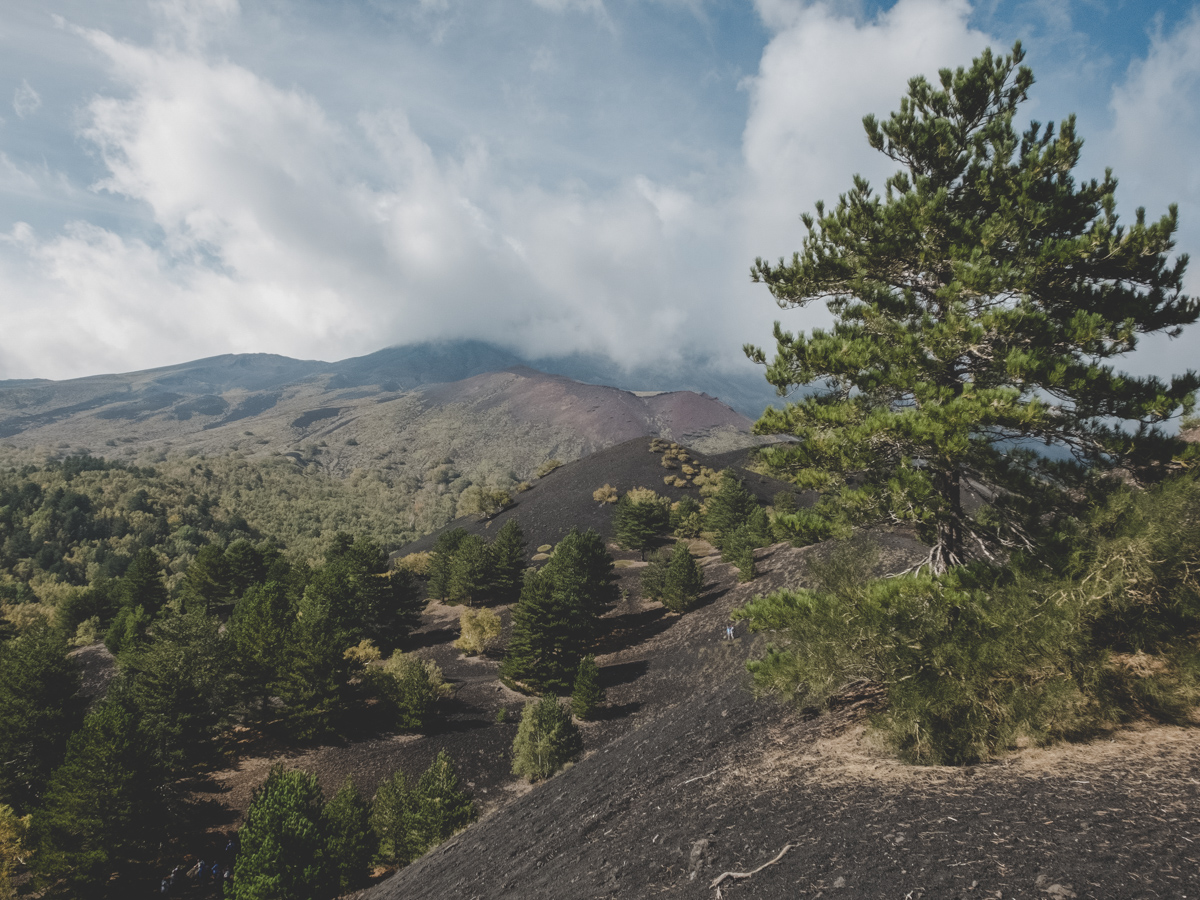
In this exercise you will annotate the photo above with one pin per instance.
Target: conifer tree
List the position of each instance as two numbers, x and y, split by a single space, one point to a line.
102 806
555 622
976 302
352 843
683 580
470 571
205 584
181 688
730 507
38 684
143 583
283 847
546 740
587 693
508 562
641 516
391 813
260 631
442 558
315 688
582 565
439 805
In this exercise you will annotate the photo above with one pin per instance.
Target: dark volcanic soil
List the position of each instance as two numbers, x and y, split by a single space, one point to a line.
563 498
688 777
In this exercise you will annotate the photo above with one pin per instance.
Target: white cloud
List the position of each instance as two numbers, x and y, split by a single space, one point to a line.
819 75
25 100
284 222
1152 150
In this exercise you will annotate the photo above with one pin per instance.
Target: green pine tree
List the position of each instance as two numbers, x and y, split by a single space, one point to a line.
38 684
102 806
640 517
470 571
143 583
587 693
683 580
555 621
508 562
181 687
206 584
284 845
391 813
976 302
315 687
546 740
730 507
260 632
352 843
439 806
442 557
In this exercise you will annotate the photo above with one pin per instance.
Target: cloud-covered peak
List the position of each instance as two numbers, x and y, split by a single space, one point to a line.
557 177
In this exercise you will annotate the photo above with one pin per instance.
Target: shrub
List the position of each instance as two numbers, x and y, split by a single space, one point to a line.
546 740
587 693
407 687
87 633
687 518
605 494
547 467
14 832
416 563
478 629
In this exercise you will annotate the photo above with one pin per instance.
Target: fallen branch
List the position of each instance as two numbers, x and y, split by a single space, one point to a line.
716 882
698 777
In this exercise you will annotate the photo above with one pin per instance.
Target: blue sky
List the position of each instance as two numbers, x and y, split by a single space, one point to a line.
180 178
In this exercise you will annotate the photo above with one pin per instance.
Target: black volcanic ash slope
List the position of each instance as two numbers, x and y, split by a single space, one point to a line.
563 498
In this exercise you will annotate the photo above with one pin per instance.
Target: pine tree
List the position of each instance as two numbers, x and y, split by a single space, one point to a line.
181 688
582 565
976 303
640 517
546 740
315 688
587 693
38 684
352 843
102 806
555 621
206 582
283 847
391 813
260 630
730 507
443 556
683 580
143 583
470 571
439 805
508 562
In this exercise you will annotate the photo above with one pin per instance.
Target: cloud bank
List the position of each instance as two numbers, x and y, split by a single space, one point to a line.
262 204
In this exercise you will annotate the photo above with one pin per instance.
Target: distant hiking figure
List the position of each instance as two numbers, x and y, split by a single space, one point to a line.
729 632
